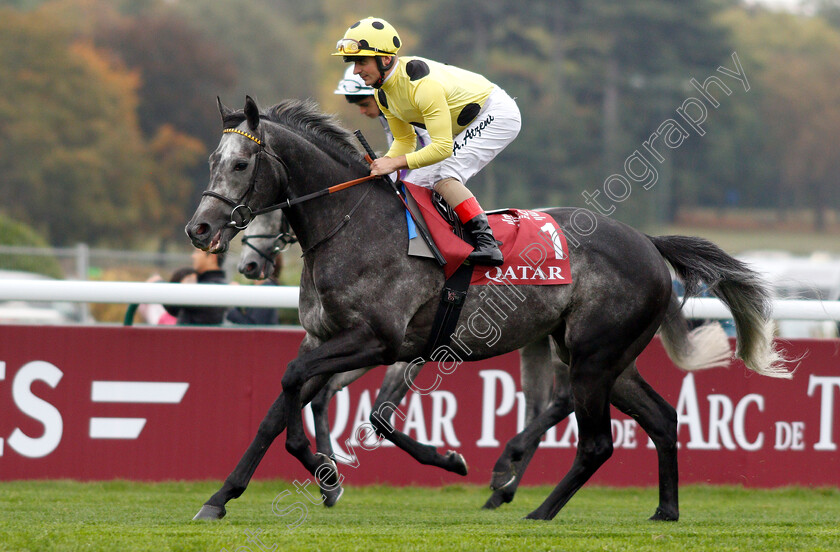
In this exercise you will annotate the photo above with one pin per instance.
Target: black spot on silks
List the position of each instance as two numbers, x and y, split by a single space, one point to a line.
356 24
468 114
363 44
382 99
378 25
419 125
396 42
416 69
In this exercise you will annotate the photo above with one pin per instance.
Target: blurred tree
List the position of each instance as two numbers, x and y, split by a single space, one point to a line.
267 50
21 4
19 234
167 195
181 71
827 9
71 152
797 67
592 79
266 45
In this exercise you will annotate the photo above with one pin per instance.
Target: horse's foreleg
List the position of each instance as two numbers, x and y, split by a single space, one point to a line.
235 484
320 405
395 386
349 350
323 440
632 395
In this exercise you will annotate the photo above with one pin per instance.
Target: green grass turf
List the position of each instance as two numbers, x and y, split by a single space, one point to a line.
126 516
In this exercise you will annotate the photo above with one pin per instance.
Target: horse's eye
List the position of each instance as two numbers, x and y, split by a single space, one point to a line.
241 166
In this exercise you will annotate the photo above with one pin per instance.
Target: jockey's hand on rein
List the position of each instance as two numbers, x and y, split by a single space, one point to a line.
384 166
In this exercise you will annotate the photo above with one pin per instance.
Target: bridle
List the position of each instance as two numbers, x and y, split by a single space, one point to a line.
280 243
247 214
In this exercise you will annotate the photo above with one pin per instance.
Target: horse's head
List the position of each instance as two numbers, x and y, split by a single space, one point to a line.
262 243
283 157
238 168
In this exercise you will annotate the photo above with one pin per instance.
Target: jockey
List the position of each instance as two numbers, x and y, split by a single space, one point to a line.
469 119
354 89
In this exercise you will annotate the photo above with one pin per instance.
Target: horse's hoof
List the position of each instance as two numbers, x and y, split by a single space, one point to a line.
327 478
536 515
500 480
331 496
497 499
661 515
457 461
210 513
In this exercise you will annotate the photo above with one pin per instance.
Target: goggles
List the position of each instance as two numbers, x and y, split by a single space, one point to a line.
352 47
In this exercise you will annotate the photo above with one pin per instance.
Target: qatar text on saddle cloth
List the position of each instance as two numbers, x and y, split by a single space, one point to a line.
533 245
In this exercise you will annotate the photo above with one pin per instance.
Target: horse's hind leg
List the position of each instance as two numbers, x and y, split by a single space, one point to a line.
598 357
395 386
632 395
591 384
540 370
272 425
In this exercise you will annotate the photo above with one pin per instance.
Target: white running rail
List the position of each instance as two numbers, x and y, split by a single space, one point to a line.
80 291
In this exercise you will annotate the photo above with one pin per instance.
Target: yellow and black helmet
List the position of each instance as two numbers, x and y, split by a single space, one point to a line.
369 37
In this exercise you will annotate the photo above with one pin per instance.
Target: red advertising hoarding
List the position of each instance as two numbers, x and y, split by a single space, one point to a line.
96 403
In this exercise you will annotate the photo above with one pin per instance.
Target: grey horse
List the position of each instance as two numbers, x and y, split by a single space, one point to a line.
364 303
263 239
544 378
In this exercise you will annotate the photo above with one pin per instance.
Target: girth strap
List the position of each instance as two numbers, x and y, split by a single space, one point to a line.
452 300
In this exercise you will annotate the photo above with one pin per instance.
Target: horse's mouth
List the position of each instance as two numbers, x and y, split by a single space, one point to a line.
214 246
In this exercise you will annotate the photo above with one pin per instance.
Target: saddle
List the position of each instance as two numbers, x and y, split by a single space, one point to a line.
532 242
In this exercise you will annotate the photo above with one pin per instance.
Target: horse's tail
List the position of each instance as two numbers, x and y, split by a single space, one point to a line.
698 261
706 346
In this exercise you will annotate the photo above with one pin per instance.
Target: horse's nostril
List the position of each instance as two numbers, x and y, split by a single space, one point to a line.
201 229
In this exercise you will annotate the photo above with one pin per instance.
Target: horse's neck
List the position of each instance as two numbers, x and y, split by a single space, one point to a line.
316 219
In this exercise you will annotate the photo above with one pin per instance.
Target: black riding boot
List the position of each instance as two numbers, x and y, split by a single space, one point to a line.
486 252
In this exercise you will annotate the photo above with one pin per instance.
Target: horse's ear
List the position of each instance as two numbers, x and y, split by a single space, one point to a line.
224 110
252 113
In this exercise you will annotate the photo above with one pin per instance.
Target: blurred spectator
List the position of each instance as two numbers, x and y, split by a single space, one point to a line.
208 269
184 275
154 313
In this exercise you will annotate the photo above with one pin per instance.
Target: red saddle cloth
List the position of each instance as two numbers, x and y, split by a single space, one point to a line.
533 245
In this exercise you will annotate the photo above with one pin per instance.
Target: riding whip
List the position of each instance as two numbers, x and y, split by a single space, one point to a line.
395 185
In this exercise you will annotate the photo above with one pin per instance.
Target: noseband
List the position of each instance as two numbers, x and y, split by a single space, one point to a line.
239 207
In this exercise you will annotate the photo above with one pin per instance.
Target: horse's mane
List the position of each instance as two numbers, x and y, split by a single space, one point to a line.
306 119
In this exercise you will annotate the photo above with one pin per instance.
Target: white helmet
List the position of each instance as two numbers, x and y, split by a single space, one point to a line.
353 85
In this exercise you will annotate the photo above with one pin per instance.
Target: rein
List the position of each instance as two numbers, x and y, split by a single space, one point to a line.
247 214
